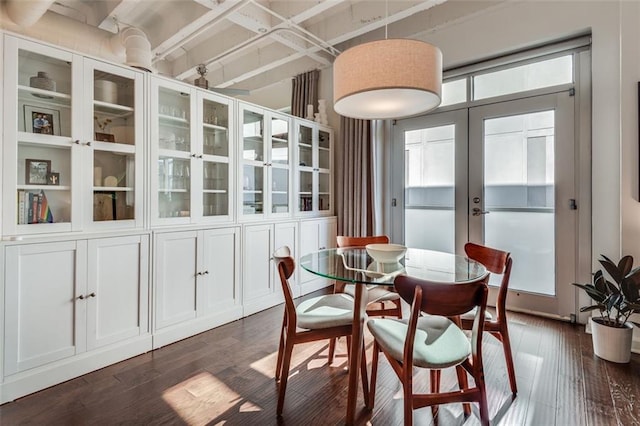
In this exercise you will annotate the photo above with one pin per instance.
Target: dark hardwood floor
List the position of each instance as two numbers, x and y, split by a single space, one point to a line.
225 376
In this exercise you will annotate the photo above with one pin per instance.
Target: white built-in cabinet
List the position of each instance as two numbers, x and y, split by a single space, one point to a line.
265 171
192 157
137 210
316 234
197 285
86 299
261 284
314 180
73 155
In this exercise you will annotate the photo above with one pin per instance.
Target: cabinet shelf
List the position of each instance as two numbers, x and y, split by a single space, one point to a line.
280 140
214 127
214 191
251 191
305 194
168 190
305 145
45 97
43 187
280 192
112 188
49 141
112 110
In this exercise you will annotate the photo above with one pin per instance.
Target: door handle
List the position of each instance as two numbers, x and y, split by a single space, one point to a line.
477 211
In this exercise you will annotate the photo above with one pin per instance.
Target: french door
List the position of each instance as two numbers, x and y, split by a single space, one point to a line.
503 175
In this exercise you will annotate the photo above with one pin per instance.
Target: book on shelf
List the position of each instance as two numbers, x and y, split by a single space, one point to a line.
33 207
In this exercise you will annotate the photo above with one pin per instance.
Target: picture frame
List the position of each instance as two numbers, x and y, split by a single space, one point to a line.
37 171
41 120
104 206
105 137
53 178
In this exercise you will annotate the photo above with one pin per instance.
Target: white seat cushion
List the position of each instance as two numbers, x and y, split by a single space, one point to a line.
471 315
375 293
325 311
439 343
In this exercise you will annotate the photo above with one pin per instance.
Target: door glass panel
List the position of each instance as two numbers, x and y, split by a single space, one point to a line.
280 191
215 198
279 141
429 188
252 190
305 191
44 94
113 186
174 187
173 118
519 194
252 128
215 137
551 72
113 101
324 182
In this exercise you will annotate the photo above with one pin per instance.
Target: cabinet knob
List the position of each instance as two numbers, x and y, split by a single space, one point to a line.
200 156
81 297
205 272
193 155
88 143
77 141
198 273
92 295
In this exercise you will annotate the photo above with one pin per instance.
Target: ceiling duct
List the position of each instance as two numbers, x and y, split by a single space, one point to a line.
136 46
26 13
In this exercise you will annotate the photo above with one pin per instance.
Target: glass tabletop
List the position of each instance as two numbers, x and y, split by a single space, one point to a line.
355 265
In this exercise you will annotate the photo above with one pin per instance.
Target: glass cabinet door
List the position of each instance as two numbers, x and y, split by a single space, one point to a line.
114 140
305 168
253 162
324 171
172 152
279 165
39 151
217 157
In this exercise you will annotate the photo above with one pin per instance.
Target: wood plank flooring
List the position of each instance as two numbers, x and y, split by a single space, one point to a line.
225 376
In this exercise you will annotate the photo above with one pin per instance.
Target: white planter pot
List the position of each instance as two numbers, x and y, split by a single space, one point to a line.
611 343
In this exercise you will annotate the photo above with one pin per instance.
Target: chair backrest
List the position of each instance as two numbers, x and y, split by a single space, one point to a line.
444 299
497 262
449 300
286 266
344 241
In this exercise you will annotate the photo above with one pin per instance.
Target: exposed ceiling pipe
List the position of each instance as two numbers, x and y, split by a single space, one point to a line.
26 13
130 46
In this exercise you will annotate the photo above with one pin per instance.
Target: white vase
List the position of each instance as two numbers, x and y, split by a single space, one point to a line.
612 343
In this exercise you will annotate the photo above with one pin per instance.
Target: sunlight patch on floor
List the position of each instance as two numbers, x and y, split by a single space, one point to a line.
202 398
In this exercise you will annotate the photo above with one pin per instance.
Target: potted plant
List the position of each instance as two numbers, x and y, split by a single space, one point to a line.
612 331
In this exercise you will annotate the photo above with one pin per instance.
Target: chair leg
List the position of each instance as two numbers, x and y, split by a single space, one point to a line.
508 357
332 350
464 384
363 376
286 361
484 406
407 387
280 350
374 374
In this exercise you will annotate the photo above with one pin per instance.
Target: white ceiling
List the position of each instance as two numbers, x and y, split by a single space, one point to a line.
248 44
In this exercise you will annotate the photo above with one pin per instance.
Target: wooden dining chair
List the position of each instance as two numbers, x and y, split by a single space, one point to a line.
497 262
434 342
377 295
317 318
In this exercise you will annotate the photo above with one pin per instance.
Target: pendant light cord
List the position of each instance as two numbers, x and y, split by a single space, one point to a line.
386 19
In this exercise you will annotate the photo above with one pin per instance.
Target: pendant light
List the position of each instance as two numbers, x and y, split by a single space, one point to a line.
390 78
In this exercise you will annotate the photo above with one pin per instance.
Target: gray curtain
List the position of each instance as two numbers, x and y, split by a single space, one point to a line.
355 177
304 91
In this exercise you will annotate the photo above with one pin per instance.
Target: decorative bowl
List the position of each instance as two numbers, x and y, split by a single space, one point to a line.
386 253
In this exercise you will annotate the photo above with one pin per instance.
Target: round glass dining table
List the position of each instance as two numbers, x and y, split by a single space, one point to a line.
354 265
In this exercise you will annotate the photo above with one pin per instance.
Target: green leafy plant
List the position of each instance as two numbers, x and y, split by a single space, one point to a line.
615 300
